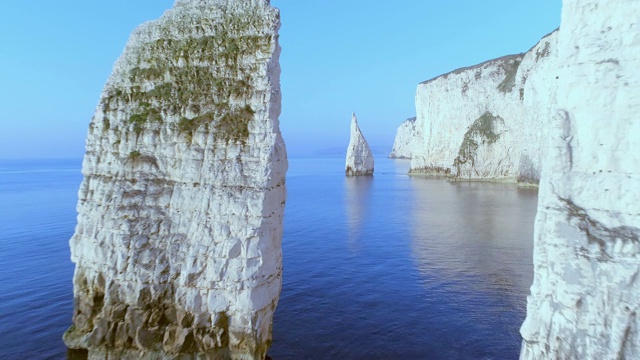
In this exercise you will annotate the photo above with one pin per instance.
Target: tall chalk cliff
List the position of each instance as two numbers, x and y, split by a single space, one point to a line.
585 299
487 122
403 145
178 242
359 157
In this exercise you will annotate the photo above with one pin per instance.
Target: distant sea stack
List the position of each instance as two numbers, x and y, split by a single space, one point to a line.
178 242
359 156
585 298
405 140
488 121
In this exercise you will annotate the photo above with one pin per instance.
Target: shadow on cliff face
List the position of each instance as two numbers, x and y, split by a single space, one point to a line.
77 354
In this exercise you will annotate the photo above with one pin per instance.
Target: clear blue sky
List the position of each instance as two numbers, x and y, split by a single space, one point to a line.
338 56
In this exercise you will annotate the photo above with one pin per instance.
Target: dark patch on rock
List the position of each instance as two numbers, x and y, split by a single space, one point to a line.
596 232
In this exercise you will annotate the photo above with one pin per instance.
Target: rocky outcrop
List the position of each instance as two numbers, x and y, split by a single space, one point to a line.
359 156
584 302
487 122
177 247
405 138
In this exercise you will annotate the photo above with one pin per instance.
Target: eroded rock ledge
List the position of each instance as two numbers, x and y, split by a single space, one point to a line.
177 247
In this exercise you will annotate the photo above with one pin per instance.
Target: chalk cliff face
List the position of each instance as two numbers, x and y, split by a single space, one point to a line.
487 122
177 247
584 301
359 156
403 145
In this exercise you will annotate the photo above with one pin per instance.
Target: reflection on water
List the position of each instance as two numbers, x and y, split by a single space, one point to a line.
417 269
463 228
356 201
477 236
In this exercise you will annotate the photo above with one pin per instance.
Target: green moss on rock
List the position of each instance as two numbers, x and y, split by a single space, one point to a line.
146 115
134 155
482 130
234 125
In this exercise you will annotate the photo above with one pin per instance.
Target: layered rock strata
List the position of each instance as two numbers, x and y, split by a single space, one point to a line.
359 157
487 122
403 145
178 242
584 302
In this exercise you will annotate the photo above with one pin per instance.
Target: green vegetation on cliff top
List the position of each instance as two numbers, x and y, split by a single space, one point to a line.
204 81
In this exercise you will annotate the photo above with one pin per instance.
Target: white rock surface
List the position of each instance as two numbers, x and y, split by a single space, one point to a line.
178 242
403 145
487 122
359 156
585 297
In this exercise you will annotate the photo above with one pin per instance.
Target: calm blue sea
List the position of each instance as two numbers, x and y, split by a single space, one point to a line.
384 267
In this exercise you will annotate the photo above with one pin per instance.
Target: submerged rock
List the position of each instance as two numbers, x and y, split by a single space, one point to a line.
488 121
359 156
584 301
178 242
404 143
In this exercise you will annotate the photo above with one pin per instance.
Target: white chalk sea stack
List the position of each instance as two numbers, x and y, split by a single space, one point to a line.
585 299
488 121
404 143
178 241
359 157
